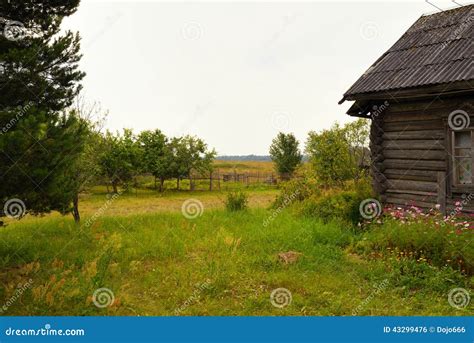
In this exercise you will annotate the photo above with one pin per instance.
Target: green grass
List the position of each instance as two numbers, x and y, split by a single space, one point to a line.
218 264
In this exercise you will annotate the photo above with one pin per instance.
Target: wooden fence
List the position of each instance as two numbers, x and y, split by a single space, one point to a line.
218 180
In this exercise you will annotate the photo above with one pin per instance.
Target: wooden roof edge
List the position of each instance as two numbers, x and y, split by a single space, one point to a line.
458 87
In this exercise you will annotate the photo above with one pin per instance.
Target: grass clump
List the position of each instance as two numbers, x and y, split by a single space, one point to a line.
236 201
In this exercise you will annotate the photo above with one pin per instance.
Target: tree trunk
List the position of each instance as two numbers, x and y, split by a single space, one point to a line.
162 183
114 186
155 183
75 210
177 184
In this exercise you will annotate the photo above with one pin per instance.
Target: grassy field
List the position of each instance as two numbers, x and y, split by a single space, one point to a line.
156 261
263 167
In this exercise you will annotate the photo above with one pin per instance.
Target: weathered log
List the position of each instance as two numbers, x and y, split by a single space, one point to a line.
412 126
414 164
429 144
411 174
422 134
422 186
416 154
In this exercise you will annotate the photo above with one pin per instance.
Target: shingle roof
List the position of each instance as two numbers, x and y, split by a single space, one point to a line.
438 48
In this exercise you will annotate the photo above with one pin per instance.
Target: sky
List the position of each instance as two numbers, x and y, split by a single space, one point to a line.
233 73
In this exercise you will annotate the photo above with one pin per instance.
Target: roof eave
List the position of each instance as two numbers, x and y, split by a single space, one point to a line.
428 91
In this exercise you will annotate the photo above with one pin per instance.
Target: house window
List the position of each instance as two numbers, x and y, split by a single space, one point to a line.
463 157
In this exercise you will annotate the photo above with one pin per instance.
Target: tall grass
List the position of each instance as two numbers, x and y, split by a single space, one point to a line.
154 263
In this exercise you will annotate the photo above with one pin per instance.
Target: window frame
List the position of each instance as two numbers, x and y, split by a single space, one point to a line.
455 182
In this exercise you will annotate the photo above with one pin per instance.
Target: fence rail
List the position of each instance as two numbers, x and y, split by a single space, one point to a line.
217 179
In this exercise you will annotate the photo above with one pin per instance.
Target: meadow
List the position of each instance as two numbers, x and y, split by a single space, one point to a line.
153 260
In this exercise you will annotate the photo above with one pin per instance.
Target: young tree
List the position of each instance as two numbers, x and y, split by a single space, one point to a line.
337 154
155 155
329 154
39 79
357 135
120 159
86 169
190 154
285 153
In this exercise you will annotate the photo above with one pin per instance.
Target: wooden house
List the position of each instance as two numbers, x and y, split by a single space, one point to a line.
419 96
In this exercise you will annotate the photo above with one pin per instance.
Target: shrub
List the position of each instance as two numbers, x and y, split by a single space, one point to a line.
236 201
338 204
301 187
342 205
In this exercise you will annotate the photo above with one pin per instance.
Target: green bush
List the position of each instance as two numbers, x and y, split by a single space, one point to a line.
343 205
337 154
236 201
301 187
338 204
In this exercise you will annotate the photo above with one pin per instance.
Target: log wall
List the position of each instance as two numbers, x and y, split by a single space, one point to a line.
410 149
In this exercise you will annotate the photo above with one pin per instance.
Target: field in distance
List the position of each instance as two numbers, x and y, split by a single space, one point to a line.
265 167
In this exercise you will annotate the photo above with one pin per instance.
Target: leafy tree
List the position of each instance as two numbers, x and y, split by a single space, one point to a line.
190 154
119 161
357 135
156 155
86 168
337 154
39 79
285 153
329 153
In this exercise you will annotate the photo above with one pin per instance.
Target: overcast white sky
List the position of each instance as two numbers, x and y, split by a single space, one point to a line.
233 73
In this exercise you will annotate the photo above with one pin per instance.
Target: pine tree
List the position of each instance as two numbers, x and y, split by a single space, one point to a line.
39 78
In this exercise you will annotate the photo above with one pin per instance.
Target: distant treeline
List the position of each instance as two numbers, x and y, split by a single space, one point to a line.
256 158
244 158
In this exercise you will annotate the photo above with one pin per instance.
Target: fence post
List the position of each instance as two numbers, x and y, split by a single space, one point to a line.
210 182
442 192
